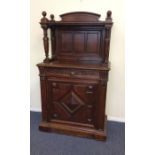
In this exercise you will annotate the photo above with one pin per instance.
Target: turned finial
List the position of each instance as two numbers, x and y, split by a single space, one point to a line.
44 24
108 18
52 17
44 19
44 13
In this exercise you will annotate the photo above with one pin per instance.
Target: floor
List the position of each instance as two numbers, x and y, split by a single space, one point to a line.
43 143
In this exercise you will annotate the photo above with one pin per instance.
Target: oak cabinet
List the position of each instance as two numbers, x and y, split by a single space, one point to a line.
74 80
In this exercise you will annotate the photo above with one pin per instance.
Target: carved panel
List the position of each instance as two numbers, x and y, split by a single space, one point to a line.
71 102
79 40
66 42
93 42
78 45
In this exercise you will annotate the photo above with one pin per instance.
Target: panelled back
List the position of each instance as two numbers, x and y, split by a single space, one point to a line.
79 44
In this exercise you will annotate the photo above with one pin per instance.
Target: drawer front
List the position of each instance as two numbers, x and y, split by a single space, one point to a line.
71 73
72 102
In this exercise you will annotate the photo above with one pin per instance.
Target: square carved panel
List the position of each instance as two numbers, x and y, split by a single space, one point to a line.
72 102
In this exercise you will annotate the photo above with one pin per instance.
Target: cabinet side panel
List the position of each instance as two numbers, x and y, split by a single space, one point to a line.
100 114
44 99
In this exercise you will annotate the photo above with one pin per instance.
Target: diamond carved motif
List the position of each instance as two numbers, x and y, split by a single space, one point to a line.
71 102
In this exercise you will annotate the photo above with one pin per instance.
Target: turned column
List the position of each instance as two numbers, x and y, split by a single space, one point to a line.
108 25
53 40
44 24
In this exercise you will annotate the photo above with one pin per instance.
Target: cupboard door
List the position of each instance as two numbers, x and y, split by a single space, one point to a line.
72 102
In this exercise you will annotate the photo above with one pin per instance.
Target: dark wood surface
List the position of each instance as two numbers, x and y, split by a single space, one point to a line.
74 79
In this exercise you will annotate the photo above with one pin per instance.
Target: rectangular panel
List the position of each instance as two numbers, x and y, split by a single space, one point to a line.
66 41
92 42
79 42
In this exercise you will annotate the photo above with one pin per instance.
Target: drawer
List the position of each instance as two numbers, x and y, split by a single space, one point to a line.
72 73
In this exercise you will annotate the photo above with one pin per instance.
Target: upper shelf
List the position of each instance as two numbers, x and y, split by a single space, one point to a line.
77 37
79 18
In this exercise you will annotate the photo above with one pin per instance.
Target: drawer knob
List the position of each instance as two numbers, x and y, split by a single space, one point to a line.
55 115
72 73
54 84
89 92
90 87
89 120
89 106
